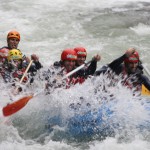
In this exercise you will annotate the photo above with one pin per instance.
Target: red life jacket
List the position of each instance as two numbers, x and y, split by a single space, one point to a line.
130 82
19 73
72 80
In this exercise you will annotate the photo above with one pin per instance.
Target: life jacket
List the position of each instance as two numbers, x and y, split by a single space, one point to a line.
73 79
131 81
19 73
54 77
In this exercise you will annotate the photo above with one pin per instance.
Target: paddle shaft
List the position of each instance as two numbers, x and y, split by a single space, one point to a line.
77 69
26 71
16 89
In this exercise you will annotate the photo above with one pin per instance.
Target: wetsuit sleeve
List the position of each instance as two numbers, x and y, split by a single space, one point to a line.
34 67
38 65
116 65
57 64
85 72
103 69
145 81
92 68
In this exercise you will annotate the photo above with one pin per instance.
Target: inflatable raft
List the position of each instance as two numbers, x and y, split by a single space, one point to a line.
104 121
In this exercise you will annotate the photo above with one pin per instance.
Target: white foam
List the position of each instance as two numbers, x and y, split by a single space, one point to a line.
111 143
141 29
1 113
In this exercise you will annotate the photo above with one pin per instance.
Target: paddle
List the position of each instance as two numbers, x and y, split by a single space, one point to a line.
77 69
29 65
19 104
26 71
15 106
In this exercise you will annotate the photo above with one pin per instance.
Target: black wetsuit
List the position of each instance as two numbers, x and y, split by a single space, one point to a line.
117 66
89 70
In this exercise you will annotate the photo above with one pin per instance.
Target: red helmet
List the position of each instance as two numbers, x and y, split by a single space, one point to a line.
133 58
68 54
4 52
13 34
81 51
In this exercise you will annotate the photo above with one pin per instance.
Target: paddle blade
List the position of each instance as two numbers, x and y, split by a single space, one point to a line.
15 106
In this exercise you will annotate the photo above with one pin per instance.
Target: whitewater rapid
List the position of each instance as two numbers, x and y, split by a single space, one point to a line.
47 27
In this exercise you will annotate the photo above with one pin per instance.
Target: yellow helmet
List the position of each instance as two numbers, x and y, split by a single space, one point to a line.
14 54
